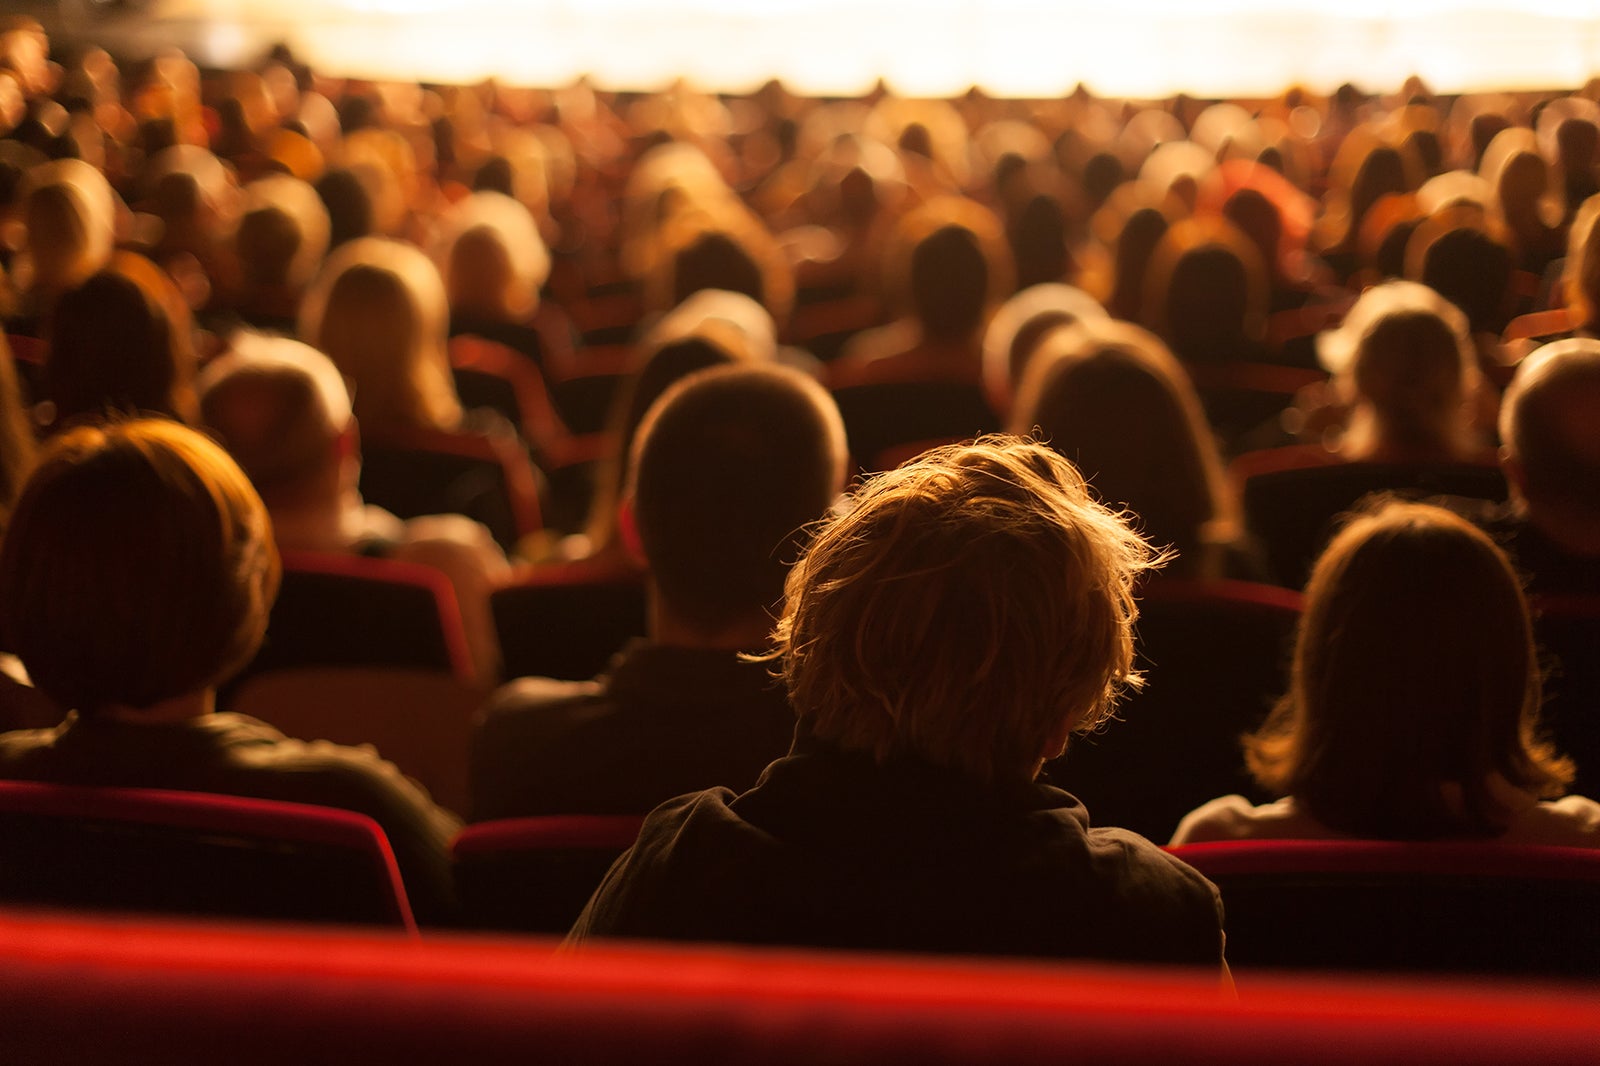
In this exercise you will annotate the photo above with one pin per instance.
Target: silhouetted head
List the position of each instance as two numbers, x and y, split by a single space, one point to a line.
1412 711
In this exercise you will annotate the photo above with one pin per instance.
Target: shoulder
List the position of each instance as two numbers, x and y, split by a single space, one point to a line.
1572 821
539 706
450 542
1236 818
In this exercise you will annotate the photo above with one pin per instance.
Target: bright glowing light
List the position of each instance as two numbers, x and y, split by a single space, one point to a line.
939 47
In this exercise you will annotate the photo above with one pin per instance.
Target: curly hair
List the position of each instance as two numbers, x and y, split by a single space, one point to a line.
969 609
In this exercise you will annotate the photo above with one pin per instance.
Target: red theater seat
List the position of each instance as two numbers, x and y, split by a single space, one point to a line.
536 874
82 991
126 849
1476 907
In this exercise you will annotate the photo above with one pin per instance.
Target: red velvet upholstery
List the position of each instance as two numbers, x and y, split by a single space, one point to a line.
536 874
1385 905
195 852
98 991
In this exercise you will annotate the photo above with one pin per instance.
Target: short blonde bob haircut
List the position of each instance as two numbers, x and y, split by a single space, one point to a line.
968 610
138 567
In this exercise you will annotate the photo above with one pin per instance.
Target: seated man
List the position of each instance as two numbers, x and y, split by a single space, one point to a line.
283 412
942 638
136 577
1551 458
732 464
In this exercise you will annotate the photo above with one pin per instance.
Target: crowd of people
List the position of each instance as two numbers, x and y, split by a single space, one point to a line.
903 405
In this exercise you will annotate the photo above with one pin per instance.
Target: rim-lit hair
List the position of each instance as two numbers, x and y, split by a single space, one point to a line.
378 311
1543 420
1415 682
138 567
492 258
1087 387
284 232
968 609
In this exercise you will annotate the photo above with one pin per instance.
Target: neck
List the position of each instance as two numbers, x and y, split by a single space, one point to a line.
668 627
164 712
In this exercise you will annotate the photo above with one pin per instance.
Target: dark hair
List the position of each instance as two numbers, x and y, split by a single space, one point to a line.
350 213
731 467
949 282
115 348
1415 683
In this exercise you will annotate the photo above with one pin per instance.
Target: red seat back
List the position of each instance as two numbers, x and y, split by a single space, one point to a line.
195 853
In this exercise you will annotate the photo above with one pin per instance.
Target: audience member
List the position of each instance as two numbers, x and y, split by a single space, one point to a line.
121 342
731 466
1551 456
1406 371
946 269
937 652
136 577
378 310
1086 386
279 246
1413 703
283 412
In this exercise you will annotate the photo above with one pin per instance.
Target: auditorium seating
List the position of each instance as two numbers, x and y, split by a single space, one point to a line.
1293 496
353 611
485 476
420 720
535 874
1473 907
123 849
99 990
567 621
1215 656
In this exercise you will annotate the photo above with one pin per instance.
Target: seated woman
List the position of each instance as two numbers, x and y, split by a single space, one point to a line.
1086 385
1405 384
135 578
1413 706
378 310
494 262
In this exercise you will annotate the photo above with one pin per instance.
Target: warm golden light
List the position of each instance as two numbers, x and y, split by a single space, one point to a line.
1011 47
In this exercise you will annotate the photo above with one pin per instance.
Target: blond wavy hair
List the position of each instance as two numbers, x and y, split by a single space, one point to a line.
970 610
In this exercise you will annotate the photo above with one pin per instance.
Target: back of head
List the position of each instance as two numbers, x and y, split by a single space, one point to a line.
281 409
1470 269
1205 290
138 567
350 213
70 214
714 260
1415 681
947 263
115 347
1112 399
1582 270
379 312
1551 433
493 259
731 466
283 233
949 283
1405 357
968 610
